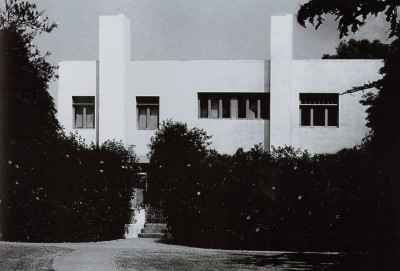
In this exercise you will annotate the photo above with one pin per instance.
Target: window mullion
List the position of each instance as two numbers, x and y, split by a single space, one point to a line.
234 108
199 109
300 116
148 118
326 116
258 109
138 117
247 108
337 115
220 108
312 117
209 108
74 116
84 117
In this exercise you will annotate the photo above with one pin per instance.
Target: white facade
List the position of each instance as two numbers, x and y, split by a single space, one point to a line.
117 83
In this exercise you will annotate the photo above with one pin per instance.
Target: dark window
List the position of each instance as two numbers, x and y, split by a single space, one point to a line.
148 112
78 116
214 108
305 116
264 114
319 109
333 116
204 108
226 107
241 107
84 111
253 108
319 116
234 105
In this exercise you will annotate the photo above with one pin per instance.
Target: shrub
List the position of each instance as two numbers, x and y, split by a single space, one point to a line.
52 187
177 162
286 199
73 193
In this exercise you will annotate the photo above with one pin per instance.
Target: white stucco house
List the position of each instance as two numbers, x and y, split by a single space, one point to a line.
240 103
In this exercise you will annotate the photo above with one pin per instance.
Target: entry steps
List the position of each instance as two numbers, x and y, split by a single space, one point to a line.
153 231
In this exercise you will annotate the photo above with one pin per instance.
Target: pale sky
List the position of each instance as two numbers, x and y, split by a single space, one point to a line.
187 29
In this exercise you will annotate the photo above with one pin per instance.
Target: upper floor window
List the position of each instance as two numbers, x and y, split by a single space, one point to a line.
83 107
147 112
319 109
233 105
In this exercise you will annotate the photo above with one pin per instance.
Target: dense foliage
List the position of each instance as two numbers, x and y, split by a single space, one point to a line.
176 156
286 199
78 193
27 114
359 49
52 187
383 107
351 15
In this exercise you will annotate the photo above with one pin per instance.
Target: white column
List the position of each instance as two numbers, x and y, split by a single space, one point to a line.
114 56
281 60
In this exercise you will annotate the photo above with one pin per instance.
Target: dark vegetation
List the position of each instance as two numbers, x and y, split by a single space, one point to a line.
383 144
360 49
52 187
55 188
292 200
383 107
69 193
285 200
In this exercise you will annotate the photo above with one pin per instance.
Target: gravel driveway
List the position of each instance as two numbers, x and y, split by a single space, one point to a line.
150 254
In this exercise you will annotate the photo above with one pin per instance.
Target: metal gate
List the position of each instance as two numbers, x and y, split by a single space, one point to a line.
155 216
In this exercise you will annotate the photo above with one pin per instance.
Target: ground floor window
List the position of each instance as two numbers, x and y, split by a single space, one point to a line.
83 111
319 109
233 105
147 112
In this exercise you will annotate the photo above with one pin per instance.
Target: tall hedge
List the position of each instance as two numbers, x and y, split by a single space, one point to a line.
284 199
73 193
177 161
52 187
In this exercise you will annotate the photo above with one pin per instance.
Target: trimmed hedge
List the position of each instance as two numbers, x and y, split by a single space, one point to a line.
68 192
285 199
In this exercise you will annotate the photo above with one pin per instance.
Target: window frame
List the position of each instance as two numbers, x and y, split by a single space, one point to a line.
152 102
84 106
333 97
233 100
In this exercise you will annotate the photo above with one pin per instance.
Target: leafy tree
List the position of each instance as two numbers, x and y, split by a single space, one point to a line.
28 126
175 153
27 117
359 49
351 15
53 187
384 107
176 174
281 200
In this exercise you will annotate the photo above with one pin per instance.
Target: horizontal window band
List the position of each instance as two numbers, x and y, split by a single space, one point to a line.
206 118
319 126
233 119
319 104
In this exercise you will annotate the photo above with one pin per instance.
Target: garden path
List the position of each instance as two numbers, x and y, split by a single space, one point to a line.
151 254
